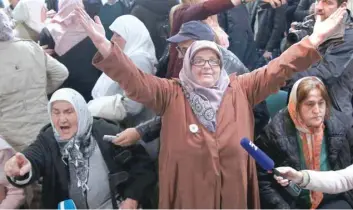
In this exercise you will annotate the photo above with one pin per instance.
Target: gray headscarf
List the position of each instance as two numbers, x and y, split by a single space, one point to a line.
81 146
204 101
6 32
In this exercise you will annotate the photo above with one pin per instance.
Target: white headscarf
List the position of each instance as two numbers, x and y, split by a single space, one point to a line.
30 12
139 48
81 146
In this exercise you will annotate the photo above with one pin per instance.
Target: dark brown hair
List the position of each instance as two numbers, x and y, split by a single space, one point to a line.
309 84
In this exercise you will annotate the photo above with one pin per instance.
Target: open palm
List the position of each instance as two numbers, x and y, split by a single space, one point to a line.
328 28
94 29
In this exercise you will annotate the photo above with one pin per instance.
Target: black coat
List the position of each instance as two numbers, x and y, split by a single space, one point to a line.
236 23
279 141
78 60
45 157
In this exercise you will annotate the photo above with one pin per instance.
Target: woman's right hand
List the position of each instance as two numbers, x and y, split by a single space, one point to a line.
290 174
94 29
128 137
18 165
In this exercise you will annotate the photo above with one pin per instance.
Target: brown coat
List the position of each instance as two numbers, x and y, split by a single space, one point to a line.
204 169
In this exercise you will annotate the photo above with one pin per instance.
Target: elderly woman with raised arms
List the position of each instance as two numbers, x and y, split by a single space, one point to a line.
205 114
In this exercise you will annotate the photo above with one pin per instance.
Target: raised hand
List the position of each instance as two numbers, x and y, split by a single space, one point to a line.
18 165
325 29
94 29
290 174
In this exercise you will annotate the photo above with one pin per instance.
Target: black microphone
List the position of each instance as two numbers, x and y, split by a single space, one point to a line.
267 164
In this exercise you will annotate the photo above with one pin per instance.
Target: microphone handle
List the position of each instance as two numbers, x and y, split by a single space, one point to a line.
292 188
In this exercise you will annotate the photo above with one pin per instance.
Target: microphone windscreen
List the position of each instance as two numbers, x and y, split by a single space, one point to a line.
260 157
67 204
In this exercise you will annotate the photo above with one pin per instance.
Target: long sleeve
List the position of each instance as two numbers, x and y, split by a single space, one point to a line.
279 27
35 153
264 81
150 130
153 92
57 73
332 182
331 67
202 10
302 10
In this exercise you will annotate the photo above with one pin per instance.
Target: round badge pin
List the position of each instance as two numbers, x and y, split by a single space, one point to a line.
193 128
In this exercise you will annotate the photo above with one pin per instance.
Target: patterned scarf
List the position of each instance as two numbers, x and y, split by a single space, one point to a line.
311 141
81 146
203 101
6 33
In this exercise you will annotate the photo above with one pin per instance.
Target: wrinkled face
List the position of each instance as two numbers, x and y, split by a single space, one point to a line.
313 109
120 41
325 8
64 118
205 67
183 47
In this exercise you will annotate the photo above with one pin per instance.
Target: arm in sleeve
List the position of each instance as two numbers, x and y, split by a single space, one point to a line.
269 195
153 92
35 153
302 10
203 10
332 182
330 67
57 73
279 27
150 130
143 176
264 81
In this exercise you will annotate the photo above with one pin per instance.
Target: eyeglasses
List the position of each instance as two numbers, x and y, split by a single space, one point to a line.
181 50
202 62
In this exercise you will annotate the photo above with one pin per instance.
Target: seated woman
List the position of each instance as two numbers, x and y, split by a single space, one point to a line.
306 135
77 164
205 113
29 16
10 197
70 45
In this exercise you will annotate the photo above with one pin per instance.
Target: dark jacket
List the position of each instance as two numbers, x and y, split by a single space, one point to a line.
271 25
45 157
78 60
302 10
155 15
279 141
335 69
236 24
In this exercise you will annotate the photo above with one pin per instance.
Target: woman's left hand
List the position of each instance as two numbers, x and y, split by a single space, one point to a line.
324 29
129 204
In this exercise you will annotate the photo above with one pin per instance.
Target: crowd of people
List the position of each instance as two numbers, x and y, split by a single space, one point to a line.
131 104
